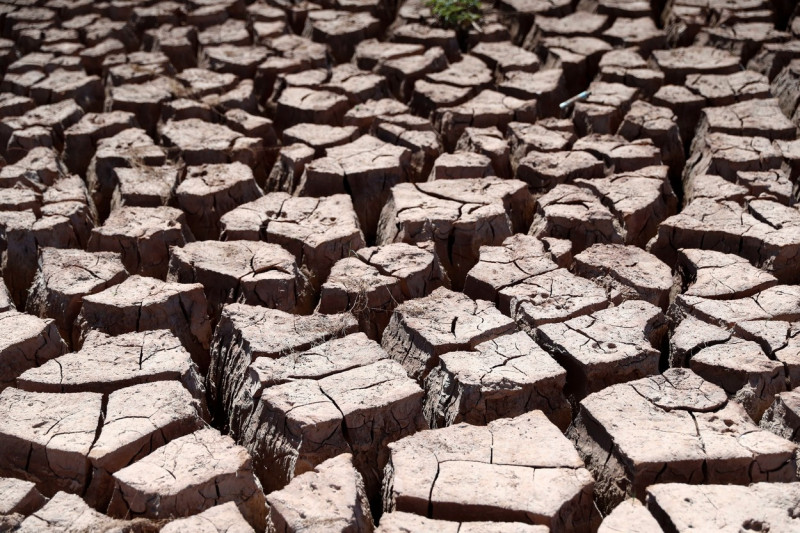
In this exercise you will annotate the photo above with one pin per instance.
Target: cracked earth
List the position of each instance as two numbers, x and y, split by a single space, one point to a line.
296 266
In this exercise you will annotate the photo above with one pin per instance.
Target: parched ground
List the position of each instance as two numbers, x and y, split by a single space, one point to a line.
285 266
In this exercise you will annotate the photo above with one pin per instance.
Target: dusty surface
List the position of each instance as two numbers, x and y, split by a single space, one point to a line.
255 273
106 363
359 405
143 303
27 343
295 266
501 378
64 277
138 419
372 284
318 231
188 476
329 497
48 436
421 330
446 473
766 504
712 440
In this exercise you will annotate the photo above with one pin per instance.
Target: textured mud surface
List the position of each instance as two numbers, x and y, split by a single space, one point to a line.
317 266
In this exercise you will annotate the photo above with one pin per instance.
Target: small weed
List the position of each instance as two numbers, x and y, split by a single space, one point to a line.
457 14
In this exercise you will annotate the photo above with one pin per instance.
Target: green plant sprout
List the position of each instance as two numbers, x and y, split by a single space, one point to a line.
458 14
